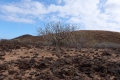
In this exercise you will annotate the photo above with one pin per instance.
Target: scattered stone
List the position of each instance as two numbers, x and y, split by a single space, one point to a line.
18 76
11 71
24 64
2 53
54 49
31 73
68 65
41 66
3 67
76 78
2 76
68 60
2 58
91 51
105 53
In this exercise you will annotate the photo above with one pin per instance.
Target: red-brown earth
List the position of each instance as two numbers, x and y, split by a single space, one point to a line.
20 61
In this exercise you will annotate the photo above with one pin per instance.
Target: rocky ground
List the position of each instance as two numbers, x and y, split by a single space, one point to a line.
27 62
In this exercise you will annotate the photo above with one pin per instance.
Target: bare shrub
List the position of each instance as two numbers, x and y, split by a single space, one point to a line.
81 40
56 33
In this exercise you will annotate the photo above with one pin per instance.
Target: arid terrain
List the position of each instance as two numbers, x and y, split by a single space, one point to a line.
25 61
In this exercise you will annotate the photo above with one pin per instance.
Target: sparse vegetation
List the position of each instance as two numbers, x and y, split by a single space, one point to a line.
104 45
81 40
25 58
56 33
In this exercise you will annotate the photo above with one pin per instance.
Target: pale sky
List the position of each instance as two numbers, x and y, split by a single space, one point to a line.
18 17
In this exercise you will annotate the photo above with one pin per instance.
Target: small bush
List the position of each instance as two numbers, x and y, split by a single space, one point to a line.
106 45
56 33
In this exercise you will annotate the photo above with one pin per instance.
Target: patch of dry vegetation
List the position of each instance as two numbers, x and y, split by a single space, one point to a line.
30 62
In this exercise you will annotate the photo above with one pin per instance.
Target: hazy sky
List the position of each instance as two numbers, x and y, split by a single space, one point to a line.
18 17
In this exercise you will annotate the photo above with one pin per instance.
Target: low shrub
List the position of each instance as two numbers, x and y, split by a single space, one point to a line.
106 45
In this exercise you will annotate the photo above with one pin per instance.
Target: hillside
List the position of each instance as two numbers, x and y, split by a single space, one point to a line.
102 36
29 37
98 36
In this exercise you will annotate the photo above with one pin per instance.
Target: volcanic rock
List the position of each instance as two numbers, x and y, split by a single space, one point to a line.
2 53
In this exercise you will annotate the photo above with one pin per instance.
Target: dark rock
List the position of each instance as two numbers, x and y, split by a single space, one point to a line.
67 72
87 64
58 73
91 51
68 61
3 66
58 55
103 74
41 66
32 62
36 54
11 71
2 58
116 78
67 56
2 77
29 77
76 73
18 76
2 53
54 49
24 64
105 53
32 73
84 77
76 78
27 56
62 50
99 69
